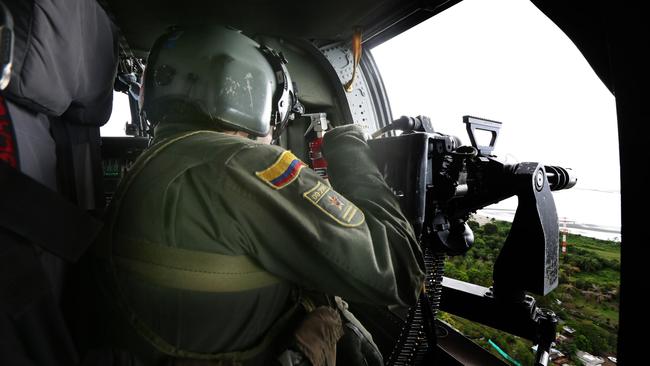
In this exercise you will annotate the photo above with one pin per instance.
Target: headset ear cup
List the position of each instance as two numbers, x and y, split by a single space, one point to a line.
284 98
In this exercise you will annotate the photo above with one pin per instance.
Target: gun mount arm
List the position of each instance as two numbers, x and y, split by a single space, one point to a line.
528 260
522 318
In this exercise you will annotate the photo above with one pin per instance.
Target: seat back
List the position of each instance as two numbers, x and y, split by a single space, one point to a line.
60 92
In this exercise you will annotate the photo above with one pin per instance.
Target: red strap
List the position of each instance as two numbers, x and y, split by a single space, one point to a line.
8 147
318 162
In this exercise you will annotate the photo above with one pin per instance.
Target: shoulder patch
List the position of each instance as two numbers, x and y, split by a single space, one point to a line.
334 205
281 173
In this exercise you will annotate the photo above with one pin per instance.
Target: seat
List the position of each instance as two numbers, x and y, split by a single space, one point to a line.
64 62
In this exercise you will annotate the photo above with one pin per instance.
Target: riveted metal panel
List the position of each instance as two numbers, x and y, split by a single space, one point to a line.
359 99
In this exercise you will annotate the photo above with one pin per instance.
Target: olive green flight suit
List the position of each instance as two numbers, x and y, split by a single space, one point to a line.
215 193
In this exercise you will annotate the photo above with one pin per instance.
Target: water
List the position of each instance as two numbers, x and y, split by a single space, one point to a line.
591 213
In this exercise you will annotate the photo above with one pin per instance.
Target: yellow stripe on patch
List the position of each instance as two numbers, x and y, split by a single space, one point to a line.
282 167
347 212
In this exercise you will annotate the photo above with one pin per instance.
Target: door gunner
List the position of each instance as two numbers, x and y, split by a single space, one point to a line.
215 235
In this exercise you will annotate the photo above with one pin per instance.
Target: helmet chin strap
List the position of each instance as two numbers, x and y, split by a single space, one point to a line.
277 127
296 109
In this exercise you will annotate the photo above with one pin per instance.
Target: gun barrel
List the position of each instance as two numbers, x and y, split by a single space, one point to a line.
560 178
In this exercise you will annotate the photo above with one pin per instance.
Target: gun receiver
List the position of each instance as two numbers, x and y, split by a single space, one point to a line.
439 183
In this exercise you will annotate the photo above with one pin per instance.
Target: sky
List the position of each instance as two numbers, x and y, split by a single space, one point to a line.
504 60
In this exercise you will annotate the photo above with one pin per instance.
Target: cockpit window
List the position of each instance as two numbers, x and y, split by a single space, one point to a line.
504 60
120 115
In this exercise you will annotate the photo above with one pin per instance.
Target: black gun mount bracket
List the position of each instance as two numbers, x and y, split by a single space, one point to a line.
473 124
529 258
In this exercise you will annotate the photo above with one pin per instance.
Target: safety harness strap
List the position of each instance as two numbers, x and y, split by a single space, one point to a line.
188 269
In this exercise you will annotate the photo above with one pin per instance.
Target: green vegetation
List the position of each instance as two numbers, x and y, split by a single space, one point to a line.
586 299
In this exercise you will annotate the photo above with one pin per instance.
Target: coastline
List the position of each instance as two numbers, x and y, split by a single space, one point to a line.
610 233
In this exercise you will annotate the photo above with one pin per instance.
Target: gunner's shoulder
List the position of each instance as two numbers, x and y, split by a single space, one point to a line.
256 155
222 146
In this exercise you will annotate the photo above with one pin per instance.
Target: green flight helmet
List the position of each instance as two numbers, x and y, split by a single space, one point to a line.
228 78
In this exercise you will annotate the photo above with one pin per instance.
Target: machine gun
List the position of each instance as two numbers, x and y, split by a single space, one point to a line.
439 182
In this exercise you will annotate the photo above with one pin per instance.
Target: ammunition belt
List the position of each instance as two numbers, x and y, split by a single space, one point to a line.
417 337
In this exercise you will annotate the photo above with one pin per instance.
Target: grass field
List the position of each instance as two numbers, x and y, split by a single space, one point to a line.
601 248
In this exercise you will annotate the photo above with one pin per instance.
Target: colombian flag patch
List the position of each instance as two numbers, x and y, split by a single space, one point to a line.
284 171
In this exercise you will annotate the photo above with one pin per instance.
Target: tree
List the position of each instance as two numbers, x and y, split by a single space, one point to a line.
523 353
490 228
598 338
582 343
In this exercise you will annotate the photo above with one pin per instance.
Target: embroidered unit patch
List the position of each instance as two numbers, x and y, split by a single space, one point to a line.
334 205
284 171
